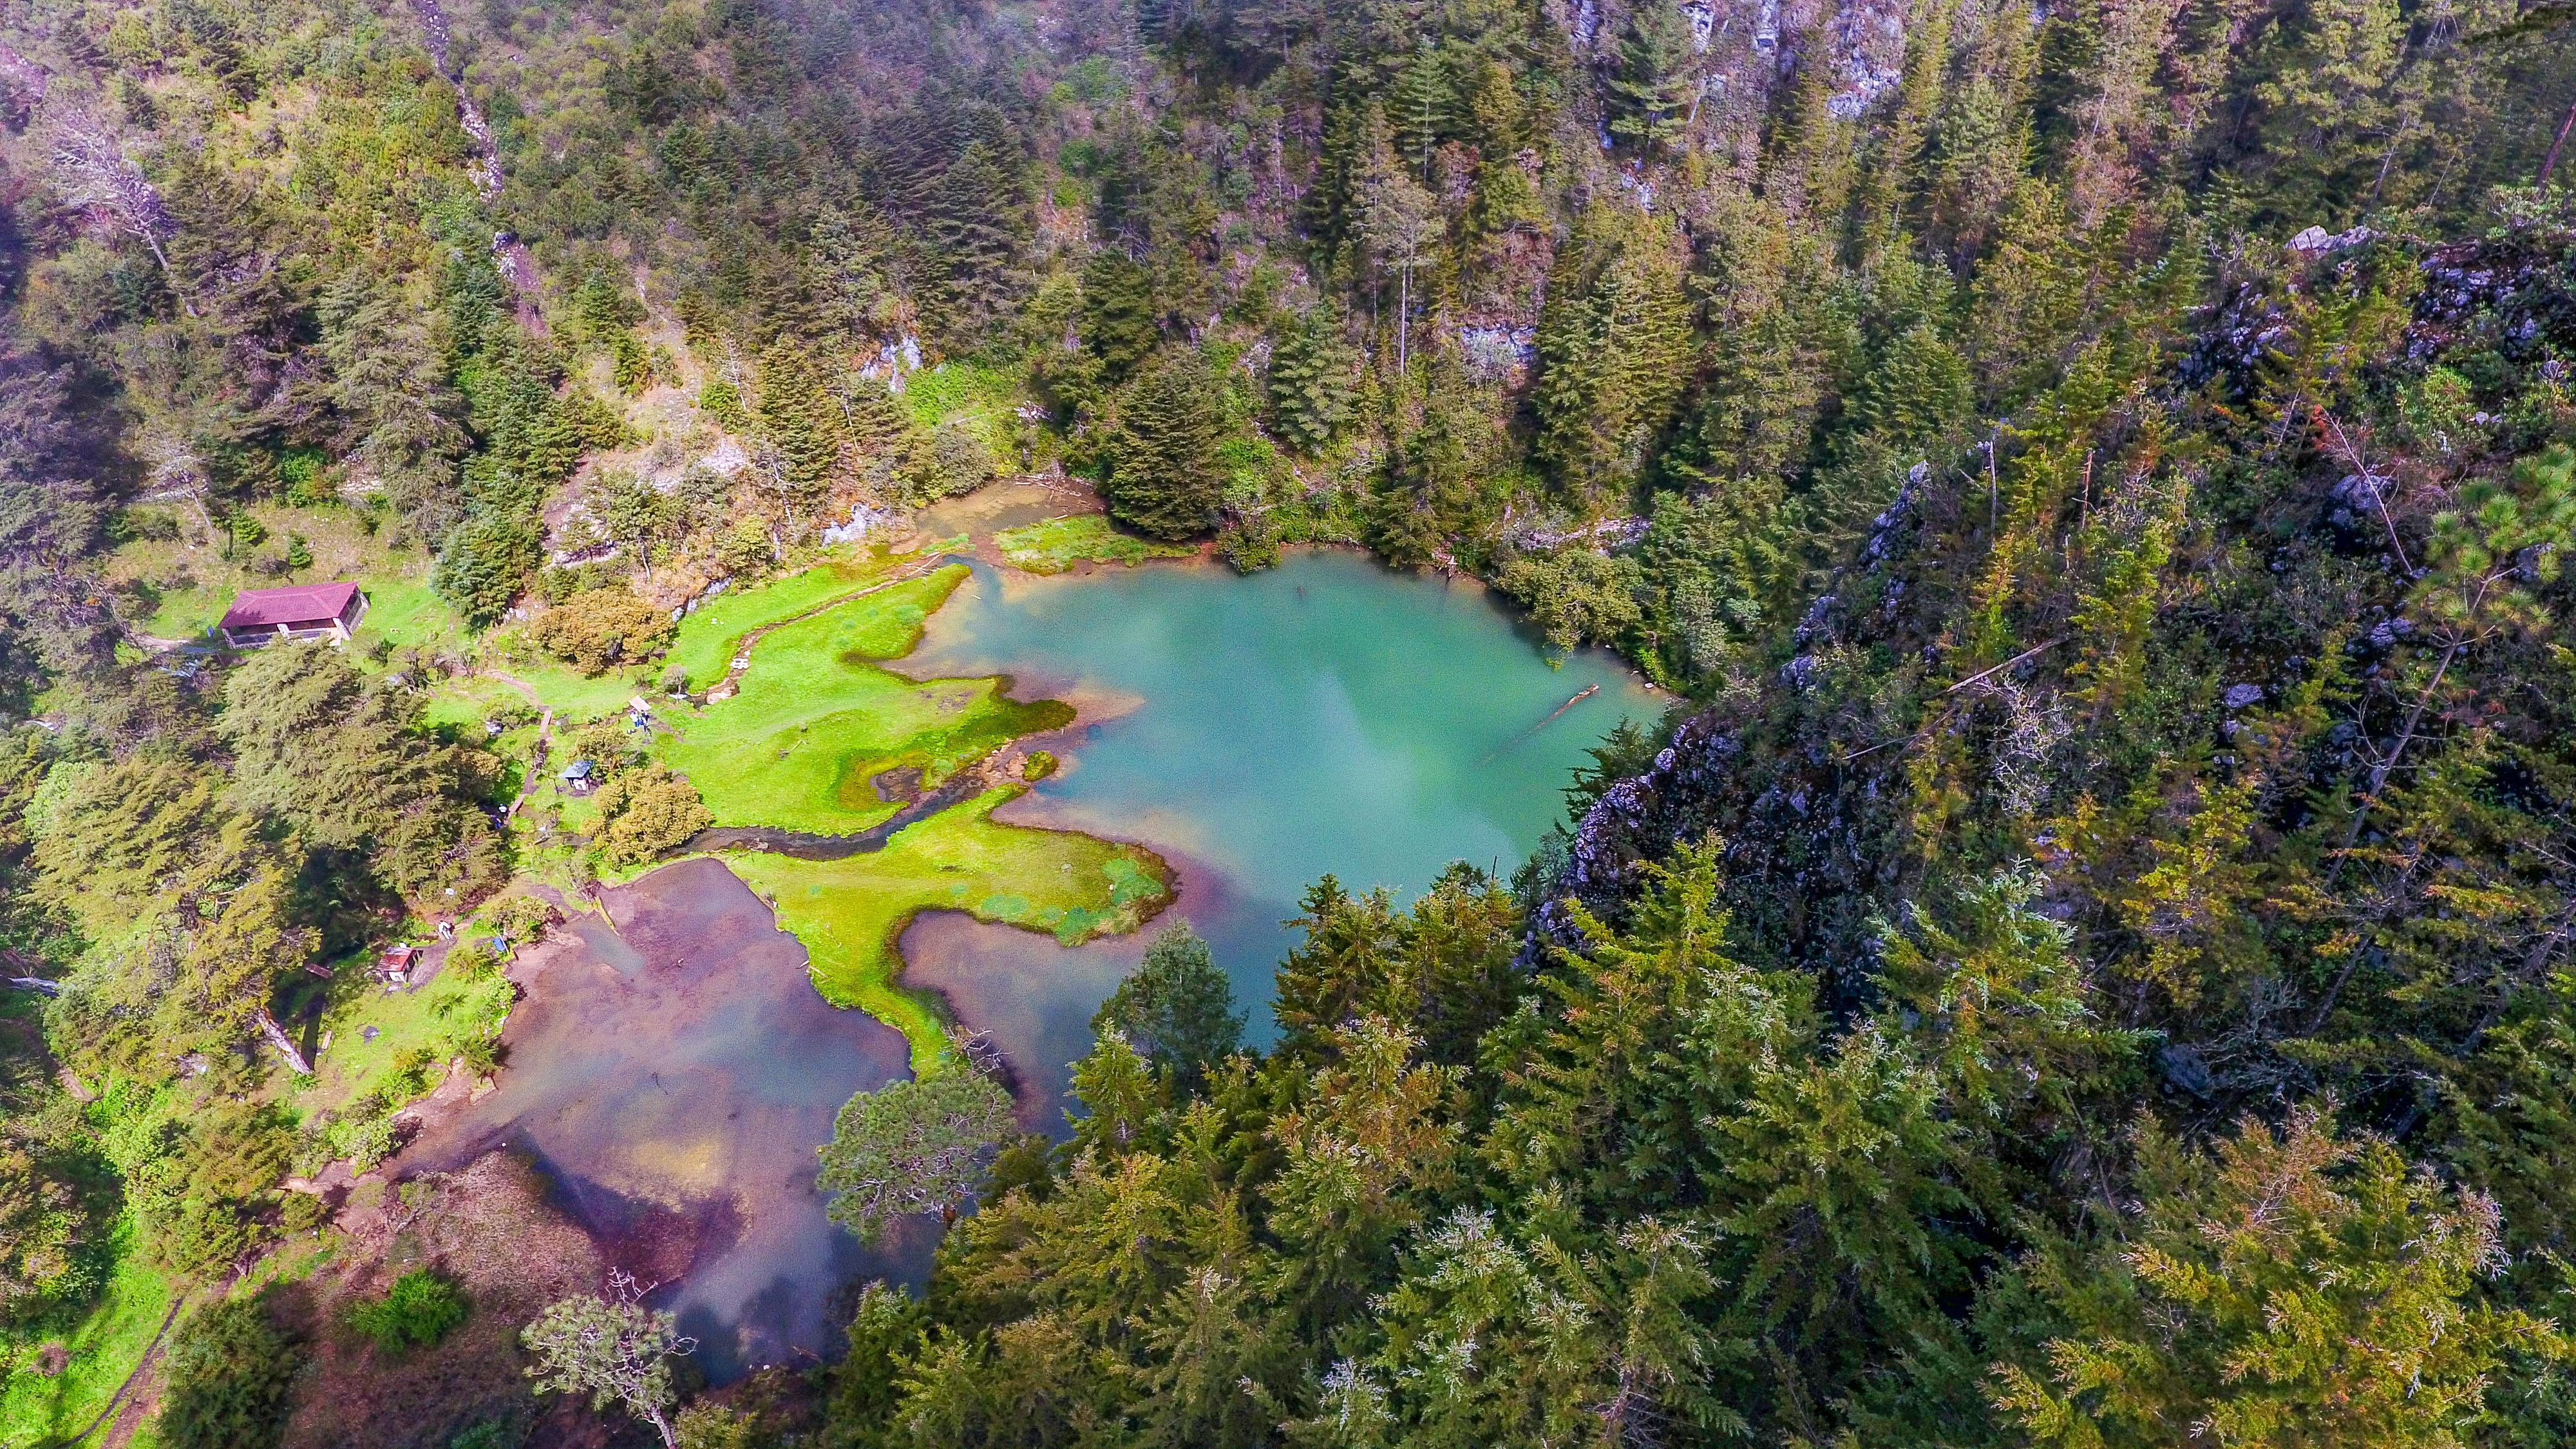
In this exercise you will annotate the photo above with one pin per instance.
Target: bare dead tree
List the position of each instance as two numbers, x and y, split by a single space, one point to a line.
286 1048
90 161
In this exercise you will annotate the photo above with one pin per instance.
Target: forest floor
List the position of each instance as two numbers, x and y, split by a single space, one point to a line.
493 1229
98 1355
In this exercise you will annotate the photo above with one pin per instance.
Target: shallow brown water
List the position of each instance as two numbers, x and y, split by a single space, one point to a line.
673 1073
999 508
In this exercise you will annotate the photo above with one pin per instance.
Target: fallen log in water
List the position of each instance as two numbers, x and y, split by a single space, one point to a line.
1587 692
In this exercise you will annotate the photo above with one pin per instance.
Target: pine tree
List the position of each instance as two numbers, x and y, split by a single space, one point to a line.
1118 312
1310 383
1422 106
1654 91
1163 471
1177 1010
390 380
1613 341
1920 389
882 436
800 423
2235 1298
974 239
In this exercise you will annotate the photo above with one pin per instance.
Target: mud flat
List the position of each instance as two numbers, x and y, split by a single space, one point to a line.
672 1070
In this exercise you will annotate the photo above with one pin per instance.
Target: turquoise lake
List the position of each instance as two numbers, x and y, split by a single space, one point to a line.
1327 715
673 1069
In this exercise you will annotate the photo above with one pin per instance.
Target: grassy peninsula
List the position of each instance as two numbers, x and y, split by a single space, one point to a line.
850 912
816 720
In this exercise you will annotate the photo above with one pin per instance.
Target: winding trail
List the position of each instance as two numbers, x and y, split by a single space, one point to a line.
142 1365
545 734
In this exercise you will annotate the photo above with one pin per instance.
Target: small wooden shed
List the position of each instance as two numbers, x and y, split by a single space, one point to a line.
298 611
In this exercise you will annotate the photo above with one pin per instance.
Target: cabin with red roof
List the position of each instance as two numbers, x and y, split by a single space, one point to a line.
298 611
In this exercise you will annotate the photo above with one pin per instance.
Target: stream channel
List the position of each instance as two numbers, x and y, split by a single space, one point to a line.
1327 715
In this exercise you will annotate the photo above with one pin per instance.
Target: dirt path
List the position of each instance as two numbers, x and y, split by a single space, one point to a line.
545 734
125 1397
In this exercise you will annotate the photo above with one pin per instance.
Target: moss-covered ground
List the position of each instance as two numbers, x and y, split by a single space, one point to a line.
817 719
1058 544
103 1348
850 912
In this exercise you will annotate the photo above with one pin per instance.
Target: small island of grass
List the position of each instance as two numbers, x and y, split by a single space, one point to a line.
1057 544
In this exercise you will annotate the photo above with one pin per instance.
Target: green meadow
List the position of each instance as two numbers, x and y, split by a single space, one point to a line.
708 638
817 719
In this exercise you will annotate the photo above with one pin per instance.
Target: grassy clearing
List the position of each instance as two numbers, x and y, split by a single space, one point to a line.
573 696
708 637
402 610
1060 543
982 397
406 1021
464 704
105 1347
816 719
850 912
183 584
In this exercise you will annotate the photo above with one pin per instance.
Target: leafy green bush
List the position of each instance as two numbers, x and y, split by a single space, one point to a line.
227 1373
647 815
600 627
417 1311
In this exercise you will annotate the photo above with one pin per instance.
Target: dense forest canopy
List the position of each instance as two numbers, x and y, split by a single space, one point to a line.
2086 962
